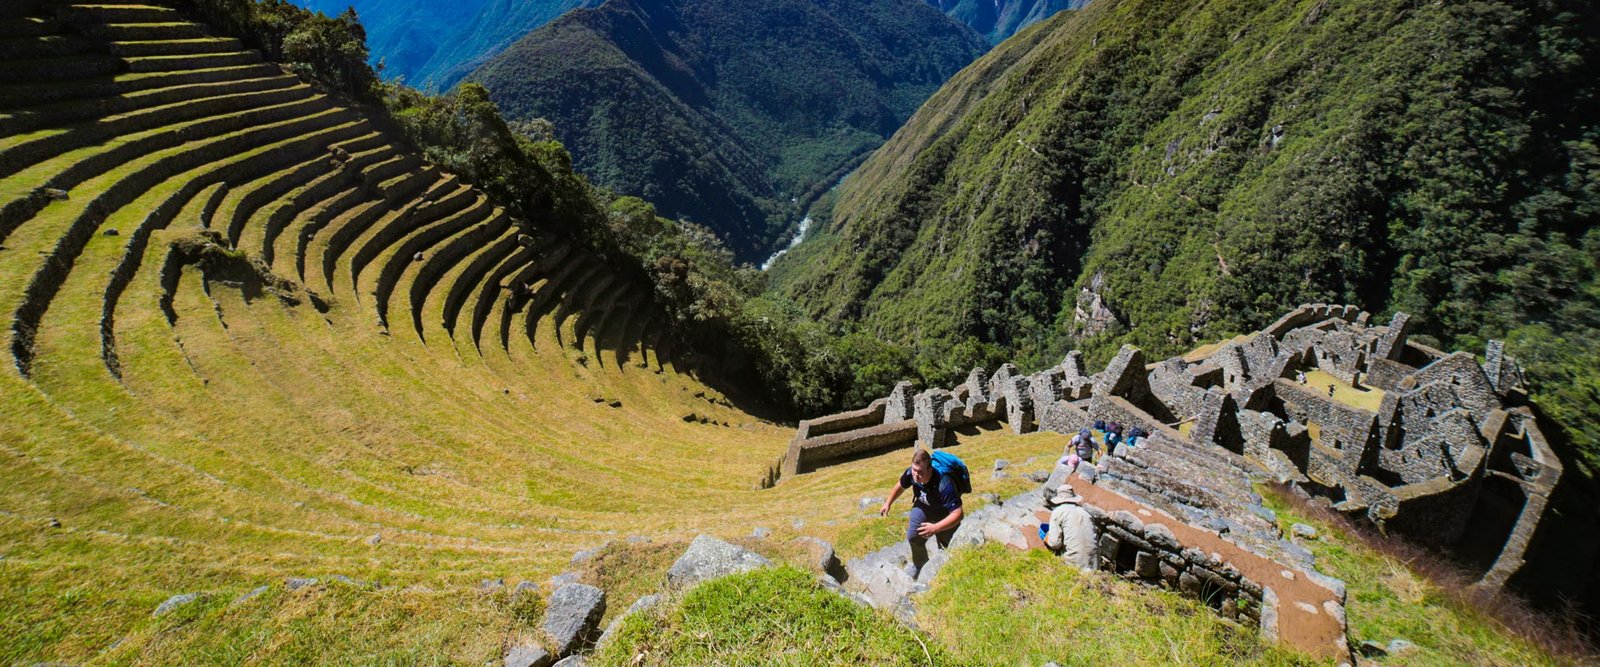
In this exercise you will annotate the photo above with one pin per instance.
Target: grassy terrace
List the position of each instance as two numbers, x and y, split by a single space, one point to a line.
218 392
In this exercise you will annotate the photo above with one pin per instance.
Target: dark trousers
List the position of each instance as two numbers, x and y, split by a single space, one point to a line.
919 544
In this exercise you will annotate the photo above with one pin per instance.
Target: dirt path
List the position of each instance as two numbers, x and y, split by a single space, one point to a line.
1303 621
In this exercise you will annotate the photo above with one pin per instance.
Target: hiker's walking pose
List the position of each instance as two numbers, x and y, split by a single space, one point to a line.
935 503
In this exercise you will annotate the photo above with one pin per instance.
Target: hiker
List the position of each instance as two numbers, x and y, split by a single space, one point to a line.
1071 530
1135 435
1300 376
1330 391
1113 436
935 506
1083 444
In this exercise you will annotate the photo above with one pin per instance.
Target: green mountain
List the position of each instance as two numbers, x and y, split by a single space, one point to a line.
1165 173
432 44
733 115
999 19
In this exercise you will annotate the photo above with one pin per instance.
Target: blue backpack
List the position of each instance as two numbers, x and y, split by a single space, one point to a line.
950 465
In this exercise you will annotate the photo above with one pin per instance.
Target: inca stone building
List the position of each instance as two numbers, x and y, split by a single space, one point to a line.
1439 447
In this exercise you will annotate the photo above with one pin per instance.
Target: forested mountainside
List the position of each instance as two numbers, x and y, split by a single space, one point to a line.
732 115
1163 173
432 44
999 19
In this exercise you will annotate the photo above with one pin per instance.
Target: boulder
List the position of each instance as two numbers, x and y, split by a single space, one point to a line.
527 655
708 558
823 556
886 585
572 617
1303 530
1161 536
297 583
572 661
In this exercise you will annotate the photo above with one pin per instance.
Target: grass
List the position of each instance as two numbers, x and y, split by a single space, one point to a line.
1391 595
990 605
777 616
1367 398
994 605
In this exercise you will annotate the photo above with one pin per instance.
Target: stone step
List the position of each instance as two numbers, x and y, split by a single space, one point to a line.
129 149
611 332
594 318
176 47
518 293
193 61
306 227
151 170
422 242
345 229
245 198
44 46
237 168
32 96
582 298
28 26
437 204
40 70
127 127
465 283
101 109
491 290
391 223
633 332
146 32
119 13
280 216
567 268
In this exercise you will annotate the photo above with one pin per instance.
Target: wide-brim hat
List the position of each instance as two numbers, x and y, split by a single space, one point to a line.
1065 494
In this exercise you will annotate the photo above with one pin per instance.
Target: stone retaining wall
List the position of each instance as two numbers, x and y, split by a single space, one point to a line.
1152 554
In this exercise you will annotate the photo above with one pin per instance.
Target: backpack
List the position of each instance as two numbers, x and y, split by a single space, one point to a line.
951 466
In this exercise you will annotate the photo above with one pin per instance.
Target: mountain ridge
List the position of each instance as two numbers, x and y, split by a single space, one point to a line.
604 76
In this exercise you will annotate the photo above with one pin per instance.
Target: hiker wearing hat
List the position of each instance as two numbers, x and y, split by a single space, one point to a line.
935 507
1071 530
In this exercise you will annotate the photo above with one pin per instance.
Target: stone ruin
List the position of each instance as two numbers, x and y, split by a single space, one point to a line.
1451 457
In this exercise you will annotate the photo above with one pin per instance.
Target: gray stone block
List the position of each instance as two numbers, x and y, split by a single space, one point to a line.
1161 536
527 655
708 558
1147 565
572 617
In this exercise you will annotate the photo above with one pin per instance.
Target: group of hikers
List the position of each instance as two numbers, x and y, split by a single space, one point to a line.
937 480
1085 447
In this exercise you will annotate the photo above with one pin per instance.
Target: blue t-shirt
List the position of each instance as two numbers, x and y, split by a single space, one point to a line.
938 495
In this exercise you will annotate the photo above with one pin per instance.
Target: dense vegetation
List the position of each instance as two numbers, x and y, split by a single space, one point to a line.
733 115
1202 167
431 45
999 19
